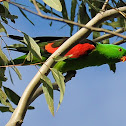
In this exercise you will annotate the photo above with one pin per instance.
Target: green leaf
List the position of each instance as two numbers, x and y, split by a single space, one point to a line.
5 13
30 57
32 46
43 8
73 10
12 95
96 34
17 72
64 10
59 78
10 77
5 3
54 4
61 58
4 109
26 16
2 29
5 101
106 41
48 92
3 56
83 16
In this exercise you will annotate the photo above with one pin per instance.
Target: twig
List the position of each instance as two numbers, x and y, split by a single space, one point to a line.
104 5
19 113
71 22
37 8
120 42
39 90
106 36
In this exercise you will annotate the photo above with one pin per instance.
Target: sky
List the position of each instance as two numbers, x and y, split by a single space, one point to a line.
95 97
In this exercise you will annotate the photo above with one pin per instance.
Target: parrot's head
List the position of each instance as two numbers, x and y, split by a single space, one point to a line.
113 52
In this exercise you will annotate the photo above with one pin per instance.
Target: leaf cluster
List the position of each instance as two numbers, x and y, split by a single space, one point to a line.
81 11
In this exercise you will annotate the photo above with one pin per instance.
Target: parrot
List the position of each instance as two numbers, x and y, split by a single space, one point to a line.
85 53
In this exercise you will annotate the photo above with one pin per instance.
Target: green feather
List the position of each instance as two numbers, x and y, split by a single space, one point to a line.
102 54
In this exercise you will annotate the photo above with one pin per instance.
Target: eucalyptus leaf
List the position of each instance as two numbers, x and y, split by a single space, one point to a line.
59 78
25 16
64 10
3 56
73 10
44 9
55 4
48 92
12 95
5 101
32 46
2 29
17 72
4 109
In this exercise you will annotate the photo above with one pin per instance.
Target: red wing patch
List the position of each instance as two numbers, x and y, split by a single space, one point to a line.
75 52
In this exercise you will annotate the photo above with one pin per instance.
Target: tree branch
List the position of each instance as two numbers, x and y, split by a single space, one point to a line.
106 36
107 15
39 90
104 5
19 113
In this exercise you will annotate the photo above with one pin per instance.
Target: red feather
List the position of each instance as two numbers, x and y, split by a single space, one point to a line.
75 52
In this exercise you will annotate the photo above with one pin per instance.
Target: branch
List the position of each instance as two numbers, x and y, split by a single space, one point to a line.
107 14
39 90
120 42
104 5
19 113
106 36
36 6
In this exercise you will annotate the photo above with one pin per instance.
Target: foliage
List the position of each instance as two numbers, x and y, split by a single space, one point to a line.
81 11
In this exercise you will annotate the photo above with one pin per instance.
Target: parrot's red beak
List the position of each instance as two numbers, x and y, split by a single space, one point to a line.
123 59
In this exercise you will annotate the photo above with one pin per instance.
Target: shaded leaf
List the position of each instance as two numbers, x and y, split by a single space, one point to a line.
5 101
5 3
3 56
4 109
5 13
43 8
55 4
94 6
17 72
83 16
106 41
96 34
30 57
73 10
2 29
32 46
13 96
61 58
59 78
48 92
26 16
64 10
10 77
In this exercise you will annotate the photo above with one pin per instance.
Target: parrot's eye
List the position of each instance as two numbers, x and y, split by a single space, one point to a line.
120 50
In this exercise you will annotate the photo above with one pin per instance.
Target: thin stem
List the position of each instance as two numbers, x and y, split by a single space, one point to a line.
75 23
104 5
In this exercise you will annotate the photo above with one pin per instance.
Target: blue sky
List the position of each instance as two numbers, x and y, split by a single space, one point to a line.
95 97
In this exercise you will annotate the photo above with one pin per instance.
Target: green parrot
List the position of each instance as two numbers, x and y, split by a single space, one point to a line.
84 54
